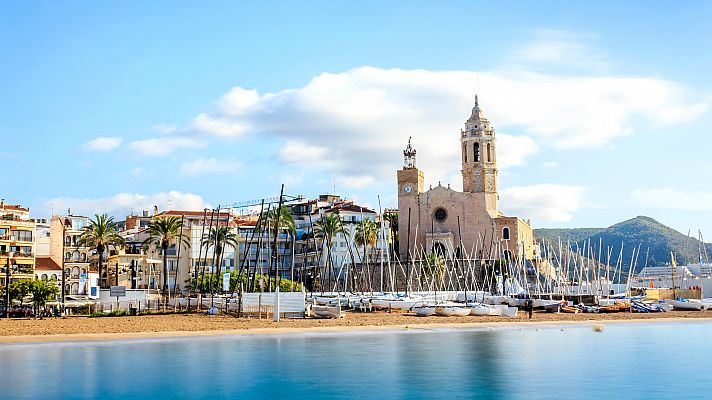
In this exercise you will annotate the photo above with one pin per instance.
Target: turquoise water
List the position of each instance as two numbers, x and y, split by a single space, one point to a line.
646 361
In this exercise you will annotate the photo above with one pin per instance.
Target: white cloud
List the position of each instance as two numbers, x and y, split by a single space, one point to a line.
294 152
209 165
163 145
102 143
542 203
357 122
517 149
559 48
165 129
121 204
670 198
550 164
221 127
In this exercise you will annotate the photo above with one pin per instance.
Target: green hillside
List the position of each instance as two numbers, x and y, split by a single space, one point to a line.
656 239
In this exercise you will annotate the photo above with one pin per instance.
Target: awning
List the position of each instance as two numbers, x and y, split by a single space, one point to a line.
153 261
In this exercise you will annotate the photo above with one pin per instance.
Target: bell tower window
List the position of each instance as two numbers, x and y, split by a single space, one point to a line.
489 152
505 233
476 152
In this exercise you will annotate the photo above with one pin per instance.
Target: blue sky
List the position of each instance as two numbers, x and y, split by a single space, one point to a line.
602 109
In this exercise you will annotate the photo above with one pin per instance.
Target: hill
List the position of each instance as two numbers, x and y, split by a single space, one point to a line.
654 238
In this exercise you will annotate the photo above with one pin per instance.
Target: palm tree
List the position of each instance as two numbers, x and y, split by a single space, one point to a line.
325 229
366 235
392 218
282 223
434 267
101 232
163 232
219 237
286 220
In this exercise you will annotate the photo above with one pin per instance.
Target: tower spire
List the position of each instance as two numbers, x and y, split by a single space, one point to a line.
409 155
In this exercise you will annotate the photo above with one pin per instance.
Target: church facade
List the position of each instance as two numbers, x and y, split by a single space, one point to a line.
465 224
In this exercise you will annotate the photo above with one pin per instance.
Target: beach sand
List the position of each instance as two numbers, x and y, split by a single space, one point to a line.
180 325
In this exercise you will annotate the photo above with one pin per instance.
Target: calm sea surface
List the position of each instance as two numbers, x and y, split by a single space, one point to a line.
646 361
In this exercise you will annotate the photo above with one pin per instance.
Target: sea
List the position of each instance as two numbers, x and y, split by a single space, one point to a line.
625 361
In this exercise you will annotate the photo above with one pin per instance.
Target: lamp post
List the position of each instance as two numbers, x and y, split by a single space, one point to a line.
8 273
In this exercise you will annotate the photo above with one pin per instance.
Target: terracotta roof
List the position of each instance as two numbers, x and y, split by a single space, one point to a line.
345 206
14 208
46 264
244 222
191 213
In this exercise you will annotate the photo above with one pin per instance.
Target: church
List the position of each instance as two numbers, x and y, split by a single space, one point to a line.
456 224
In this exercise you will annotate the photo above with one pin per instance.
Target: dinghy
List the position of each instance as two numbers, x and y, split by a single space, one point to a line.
424 311
687 304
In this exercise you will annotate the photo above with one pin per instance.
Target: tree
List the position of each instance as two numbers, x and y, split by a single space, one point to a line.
41 292
366 234
162 233
219 237
18 291
392 218
280 219
325 229
101 232
434 267
284 224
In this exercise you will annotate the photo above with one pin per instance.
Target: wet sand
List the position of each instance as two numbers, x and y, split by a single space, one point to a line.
185 325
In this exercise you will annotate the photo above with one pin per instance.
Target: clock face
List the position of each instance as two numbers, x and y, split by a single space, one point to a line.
407 188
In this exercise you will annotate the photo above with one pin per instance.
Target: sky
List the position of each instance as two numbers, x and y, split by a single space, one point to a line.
602 109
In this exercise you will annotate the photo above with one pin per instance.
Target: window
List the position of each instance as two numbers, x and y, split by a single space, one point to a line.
75 256
505 233
489 152
24 236
440 214
44 277
75 273
464 152
67 241
67 255
476 151
83 257
53 277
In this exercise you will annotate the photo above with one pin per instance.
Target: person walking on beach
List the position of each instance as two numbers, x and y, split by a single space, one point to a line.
529 306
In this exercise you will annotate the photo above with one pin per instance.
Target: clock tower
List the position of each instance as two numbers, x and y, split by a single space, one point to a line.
410 179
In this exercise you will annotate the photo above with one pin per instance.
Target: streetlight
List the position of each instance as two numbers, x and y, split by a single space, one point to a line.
8 273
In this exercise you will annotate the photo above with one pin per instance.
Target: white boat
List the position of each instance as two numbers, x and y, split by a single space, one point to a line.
493 310
327 311
687 304
424 311
448 311
510 312
480 309
403 304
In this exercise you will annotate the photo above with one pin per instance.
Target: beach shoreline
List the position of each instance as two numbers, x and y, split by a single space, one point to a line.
80 329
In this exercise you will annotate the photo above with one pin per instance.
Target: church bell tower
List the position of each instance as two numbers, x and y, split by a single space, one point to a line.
479 156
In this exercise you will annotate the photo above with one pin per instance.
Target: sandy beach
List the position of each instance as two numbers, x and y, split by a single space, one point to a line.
180 325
